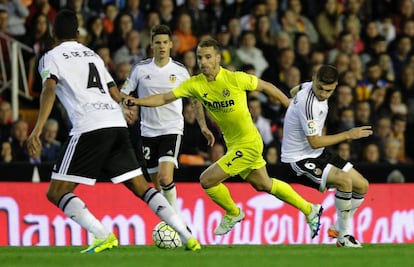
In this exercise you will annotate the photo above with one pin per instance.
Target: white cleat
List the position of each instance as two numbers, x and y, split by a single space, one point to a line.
227 223
348 241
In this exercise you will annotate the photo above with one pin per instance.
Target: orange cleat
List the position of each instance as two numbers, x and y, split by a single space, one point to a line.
332 232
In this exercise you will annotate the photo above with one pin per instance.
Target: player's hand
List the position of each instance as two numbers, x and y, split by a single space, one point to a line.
34 145
129 102
360 132
209 136
130 114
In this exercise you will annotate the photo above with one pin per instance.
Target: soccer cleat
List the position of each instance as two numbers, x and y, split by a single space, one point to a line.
332 232
314 219
192 244
101 244
348 241
227 223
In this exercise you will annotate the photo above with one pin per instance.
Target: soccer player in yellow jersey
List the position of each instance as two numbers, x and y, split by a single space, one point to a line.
223 94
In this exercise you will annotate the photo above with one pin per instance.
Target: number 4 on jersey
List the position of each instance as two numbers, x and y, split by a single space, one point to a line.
94 81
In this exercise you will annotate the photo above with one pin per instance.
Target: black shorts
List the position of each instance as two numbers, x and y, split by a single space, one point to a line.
317 169
161 148
104 154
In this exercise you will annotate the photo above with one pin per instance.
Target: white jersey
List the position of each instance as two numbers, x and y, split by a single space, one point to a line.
148 79
82 87
305 116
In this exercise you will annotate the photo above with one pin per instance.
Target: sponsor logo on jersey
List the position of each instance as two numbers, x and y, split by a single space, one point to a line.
173 78
312 127
219 104
100 106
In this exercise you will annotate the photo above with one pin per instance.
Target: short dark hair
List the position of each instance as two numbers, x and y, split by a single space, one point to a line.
246 67
372 63
160 29
327 74
66 24
343 34
398 117
379 38
247 32
210 42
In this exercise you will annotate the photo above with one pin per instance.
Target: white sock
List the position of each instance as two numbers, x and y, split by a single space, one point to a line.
76 209
166 213
343 209
170 193
356 201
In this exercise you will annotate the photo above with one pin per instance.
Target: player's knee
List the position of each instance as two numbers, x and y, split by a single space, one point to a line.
260 187
344 182
206 182
363 185
165 179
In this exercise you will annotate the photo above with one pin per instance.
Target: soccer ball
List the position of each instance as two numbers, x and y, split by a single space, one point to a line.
164 236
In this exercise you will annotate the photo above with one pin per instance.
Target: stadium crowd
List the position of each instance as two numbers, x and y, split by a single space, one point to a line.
281 41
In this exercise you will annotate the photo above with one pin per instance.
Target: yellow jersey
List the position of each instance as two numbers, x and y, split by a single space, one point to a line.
226 101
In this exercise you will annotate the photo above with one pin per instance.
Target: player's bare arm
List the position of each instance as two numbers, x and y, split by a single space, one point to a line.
116 94
47 99
201 119
152 100
328 140
273 92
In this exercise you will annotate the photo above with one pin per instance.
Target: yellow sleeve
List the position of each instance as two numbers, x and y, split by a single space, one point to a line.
183 90
247 81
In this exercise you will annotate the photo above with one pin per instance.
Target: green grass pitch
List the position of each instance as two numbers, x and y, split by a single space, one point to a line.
378 255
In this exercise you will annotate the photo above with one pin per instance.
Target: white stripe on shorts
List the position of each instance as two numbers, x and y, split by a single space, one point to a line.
70 150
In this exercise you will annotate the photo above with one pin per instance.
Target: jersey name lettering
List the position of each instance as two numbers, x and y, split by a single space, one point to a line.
84 53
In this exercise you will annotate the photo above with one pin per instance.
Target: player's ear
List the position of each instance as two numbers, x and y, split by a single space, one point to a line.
218 55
